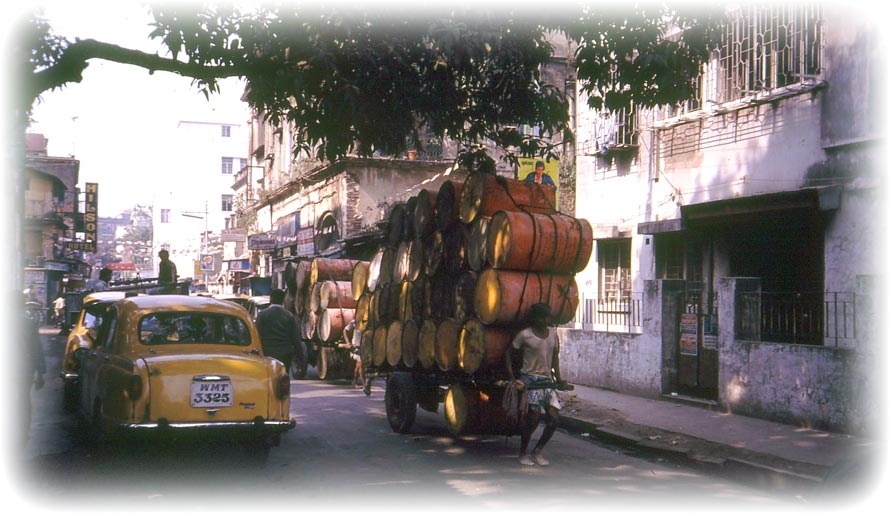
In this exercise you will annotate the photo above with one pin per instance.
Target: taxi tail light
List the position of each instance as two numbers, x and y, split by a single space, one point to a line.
134 387
283 386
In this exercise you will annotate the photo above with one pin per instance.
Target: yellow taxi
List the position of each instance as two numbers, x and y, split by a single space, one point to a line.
172 364
82 336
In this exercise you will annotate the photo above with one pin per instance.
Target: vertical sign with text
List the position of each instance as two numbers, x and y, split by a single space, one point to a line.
91 215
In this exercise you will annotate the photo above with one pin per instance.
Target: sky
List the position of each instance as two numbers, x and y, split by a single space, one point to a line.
119 120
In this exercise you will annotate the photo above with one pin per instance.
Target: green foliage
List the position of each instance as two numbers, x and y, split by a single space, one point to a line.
354 81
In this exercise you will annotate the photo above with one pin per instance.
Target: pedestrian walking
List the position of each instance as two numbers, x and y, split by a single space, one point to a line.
353 338
33 368
59 309
278 329
539 347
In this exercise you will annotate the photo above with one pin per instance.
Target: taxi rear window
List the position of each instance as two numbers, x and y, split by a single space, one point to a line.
161 328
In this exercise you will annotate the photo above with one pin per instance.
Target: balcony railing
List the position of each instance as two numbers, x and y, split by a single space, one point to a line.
624 314
824 319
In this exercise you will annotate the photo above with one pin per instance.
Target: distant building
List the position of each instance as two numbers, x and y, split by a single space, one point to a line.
209 154
50 218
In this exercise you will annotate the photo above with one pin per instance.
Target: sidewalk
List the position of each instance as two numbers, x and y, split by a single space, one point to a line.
771 453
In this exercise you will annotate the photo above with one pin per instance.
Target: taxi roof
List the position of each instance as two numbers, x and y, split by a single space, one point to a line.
183 302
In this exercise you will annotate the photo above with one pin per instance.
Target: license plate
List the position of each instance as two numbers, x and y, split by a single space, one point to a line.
211 393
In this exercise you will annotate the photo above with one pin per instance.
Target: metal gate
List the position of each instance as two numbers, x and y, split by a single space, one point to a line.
697 363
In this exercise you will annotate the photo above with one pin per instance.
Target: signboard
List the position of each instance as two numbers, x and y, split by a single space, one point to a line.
306 242
689 334
121 266
206 262
287 230
261 242
233 235
551 167
709 331
238 265
91 213
80 245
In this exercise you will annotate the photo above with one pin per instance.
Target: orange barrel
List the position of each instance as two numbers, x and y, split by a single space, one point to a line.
447 344
426 344
410 333
415 259
374 307
366 348
290 302
506 296
406 300
301 276
374 269
477 243
362 312
464 291
421 293
408 227
478 411
441 296
434 252
484 194
314 293
310 320
394 343
360 273
424 213
539 242
455 257
379 353
335 294
387 265
400 266
331 323
383 312
418 298
482 347
290 275
397 220
447 203
323 269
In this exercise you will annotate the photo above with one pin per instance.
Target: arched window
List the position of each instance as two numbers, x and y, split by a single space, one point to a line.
326 231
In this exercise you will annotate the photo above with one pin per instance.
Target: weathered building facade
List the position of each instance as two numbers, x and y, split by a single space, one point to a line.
735 258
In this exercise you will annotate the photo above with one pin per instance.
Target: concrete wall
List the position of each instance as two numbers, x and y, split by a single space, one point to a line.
815 386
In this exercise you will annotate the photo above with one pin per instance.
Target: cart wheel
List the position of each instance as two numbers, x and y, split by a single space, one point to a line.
300 362
323 366
401 402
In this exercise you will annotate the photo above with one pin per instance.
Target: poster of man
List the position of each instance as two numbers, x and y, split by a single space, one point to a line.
527 167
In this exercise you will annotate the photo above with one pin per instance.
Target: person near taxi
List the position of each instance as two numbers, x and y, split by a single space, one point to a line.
278 329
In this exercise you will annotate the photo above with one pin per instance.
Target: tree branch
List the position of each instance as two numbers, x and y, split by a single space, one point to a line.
70 66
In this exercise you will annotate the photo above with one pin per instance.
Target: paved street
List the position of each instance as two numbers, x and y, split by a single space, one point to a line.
343 452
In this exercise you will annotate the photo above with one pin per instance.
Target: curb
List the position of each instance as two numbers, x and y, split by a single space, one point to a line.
733 467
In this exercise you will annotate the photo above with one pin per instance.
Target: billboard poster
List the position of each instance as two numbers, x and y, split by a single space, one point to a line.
206 262
91 213
551 168
306 242
689 334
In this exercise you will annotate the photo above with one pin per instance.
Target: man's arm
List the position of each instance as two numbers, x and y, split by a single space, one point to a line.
556 374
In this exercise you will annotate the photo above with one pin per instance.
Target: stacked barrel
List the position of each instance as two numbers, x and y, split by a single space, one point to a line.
319 292
459 273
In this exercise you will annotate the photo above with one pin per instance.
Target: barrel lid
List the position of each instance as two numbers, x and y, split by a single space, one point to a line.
472 346
500 239
487 299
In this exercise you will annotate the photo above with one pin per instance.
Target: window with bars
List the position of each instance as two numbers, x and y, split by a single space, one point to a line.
613 256
762 48
165 215
767 47
228 164
226 131
227 203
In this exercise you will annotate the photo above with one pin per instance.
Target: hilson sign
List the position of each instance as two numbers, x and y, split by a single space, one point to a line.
90 220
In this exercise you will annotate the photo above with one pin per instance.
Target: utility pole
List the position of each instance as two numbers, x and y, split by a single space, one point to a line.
206 214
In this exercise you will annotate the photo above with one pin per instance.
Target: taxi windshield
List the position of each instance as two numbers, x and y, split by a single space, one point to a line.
192 327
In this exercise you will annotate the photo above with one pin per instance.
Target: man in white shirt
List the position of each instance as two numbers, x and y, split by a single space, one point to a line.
539 345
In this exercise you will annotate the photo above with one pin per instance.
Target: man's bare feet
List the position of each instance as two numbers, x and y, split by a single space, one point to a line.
540 459
525 460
